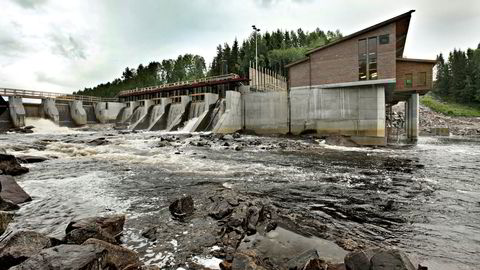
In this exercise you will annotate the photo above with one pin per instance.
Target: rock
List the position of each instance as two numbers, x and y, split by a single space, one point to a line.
340 141
6 205
102 228
220 208
226 265
227 137
72 257
28 127
359 260
340 266
31 159
391 259
10 166
308 257
12 191
182 207
150 233
117 256
99 141
21 245
253 215
245 260
5 219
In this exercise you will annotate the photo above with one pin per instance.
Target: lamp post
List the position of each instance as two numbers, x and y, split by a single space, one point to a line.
255 29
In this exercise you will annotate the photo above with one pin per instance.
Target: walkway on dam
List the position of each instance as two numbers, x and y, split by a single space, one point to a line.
10 92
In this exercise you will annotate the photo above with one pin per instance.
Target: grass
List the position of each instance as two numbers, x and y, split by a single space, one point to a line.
450 108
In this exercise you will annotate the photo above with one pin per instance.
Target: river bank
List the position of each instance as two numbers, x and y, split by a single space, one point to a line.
407 197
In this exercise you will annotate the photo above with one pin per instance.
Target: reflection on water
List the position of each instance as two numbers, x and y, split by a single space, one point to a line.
424 199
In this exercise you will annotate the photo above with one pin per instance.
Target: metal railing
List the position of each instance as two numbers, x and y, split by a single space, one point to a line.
167 85
59 96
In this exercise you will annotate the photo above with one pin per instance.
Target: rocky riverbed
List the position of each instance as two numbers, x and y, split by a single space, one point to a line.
198 201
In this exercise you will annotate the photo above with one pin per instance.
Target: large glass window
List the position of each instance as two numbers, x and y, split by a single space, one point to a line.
408 80
372 58
362 59
367 59
422 79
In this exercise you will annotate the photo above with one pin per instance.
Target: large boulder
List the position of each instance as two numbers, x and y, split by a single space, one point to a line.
21 245
182 207
5 219
117 256
245 260
378 259
6 205
391 259
11 191
308 259
359 260
72 257
103 228
10 166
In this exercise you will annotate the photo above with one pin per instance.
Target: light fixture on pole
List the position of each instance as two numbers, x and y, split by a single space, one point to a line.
255 29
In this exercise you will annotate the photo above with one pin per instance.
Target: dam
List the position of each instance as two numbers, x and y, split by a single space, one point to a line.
346 87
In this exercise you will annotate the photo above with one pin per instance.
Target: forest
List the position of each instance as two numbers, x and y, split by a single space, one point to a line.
275 50
458 77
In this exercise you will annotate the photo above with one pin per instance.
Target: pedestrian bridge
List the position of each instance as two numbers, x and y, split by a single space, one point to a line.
11 92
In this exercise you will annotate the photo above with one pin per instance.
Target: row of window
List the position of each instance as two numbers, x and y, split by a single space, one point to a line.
367 59
421 79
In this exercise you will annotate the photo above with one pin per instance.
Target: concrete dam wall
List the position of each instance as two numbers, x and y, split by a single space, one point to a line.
71 114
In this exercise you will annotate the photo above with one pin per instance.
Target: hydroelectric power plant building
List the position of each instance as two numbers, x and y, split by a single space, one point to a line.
346 87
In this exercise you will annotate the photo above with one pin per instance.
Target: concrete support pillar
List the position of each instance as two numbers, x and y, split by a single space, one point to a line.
17 111
78 113
210 99
412 117
49 110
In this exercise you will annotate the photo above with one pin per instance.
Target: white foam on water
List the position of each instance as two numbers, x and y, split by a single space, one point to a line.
46 126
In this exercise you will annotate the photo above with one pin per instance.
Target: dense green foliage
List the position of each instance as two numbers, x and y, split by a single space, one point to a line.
185 67
458 78
275 50
450 108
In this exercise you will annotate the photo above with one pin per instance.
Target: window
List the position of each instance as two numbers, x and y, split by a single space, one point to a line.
372 58
362 59
367 59
408 80
422 79
384 39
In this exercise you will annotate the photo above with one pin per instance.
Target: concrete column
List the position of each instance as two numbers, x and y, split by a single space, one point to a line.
106 112
49 109
78 113
210 99
413 119
17 111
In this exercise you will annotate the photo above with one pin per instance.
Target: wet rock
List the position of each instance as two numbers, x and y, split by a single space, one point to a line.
5 219
237 219
103 228
72 257
359 260
391 259
227 137
11 191
339 266
117 256
99 141
21 245
10 166
150 233
348 244
182 207
220 208
340 141
245 260
309 257
6 205
31 159
238 148
226 265
253 215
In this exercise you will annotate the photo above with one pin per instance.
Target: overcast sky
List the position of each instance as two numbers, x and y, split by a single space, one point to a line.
63 46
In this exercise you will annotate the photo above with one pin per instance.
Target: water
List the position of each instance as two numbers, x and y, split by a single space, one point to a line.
424 199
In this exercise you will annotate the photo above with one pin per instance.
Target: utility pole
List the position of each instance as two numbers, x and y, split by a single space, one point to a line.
256 30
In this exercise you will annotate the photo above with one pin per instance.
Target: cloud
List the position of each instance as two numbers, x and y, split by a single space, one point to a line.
68 47
31 4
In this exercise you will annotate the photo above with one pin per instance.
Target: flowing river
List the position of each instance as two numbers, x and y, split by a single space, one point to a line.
424 199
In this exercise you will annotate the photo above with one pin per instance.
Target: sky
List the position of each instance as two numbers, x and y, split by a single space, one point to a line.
64 46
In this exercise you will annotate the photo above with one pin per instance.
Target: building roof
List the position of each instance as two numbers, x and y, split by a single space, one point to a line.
417 60
405 16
